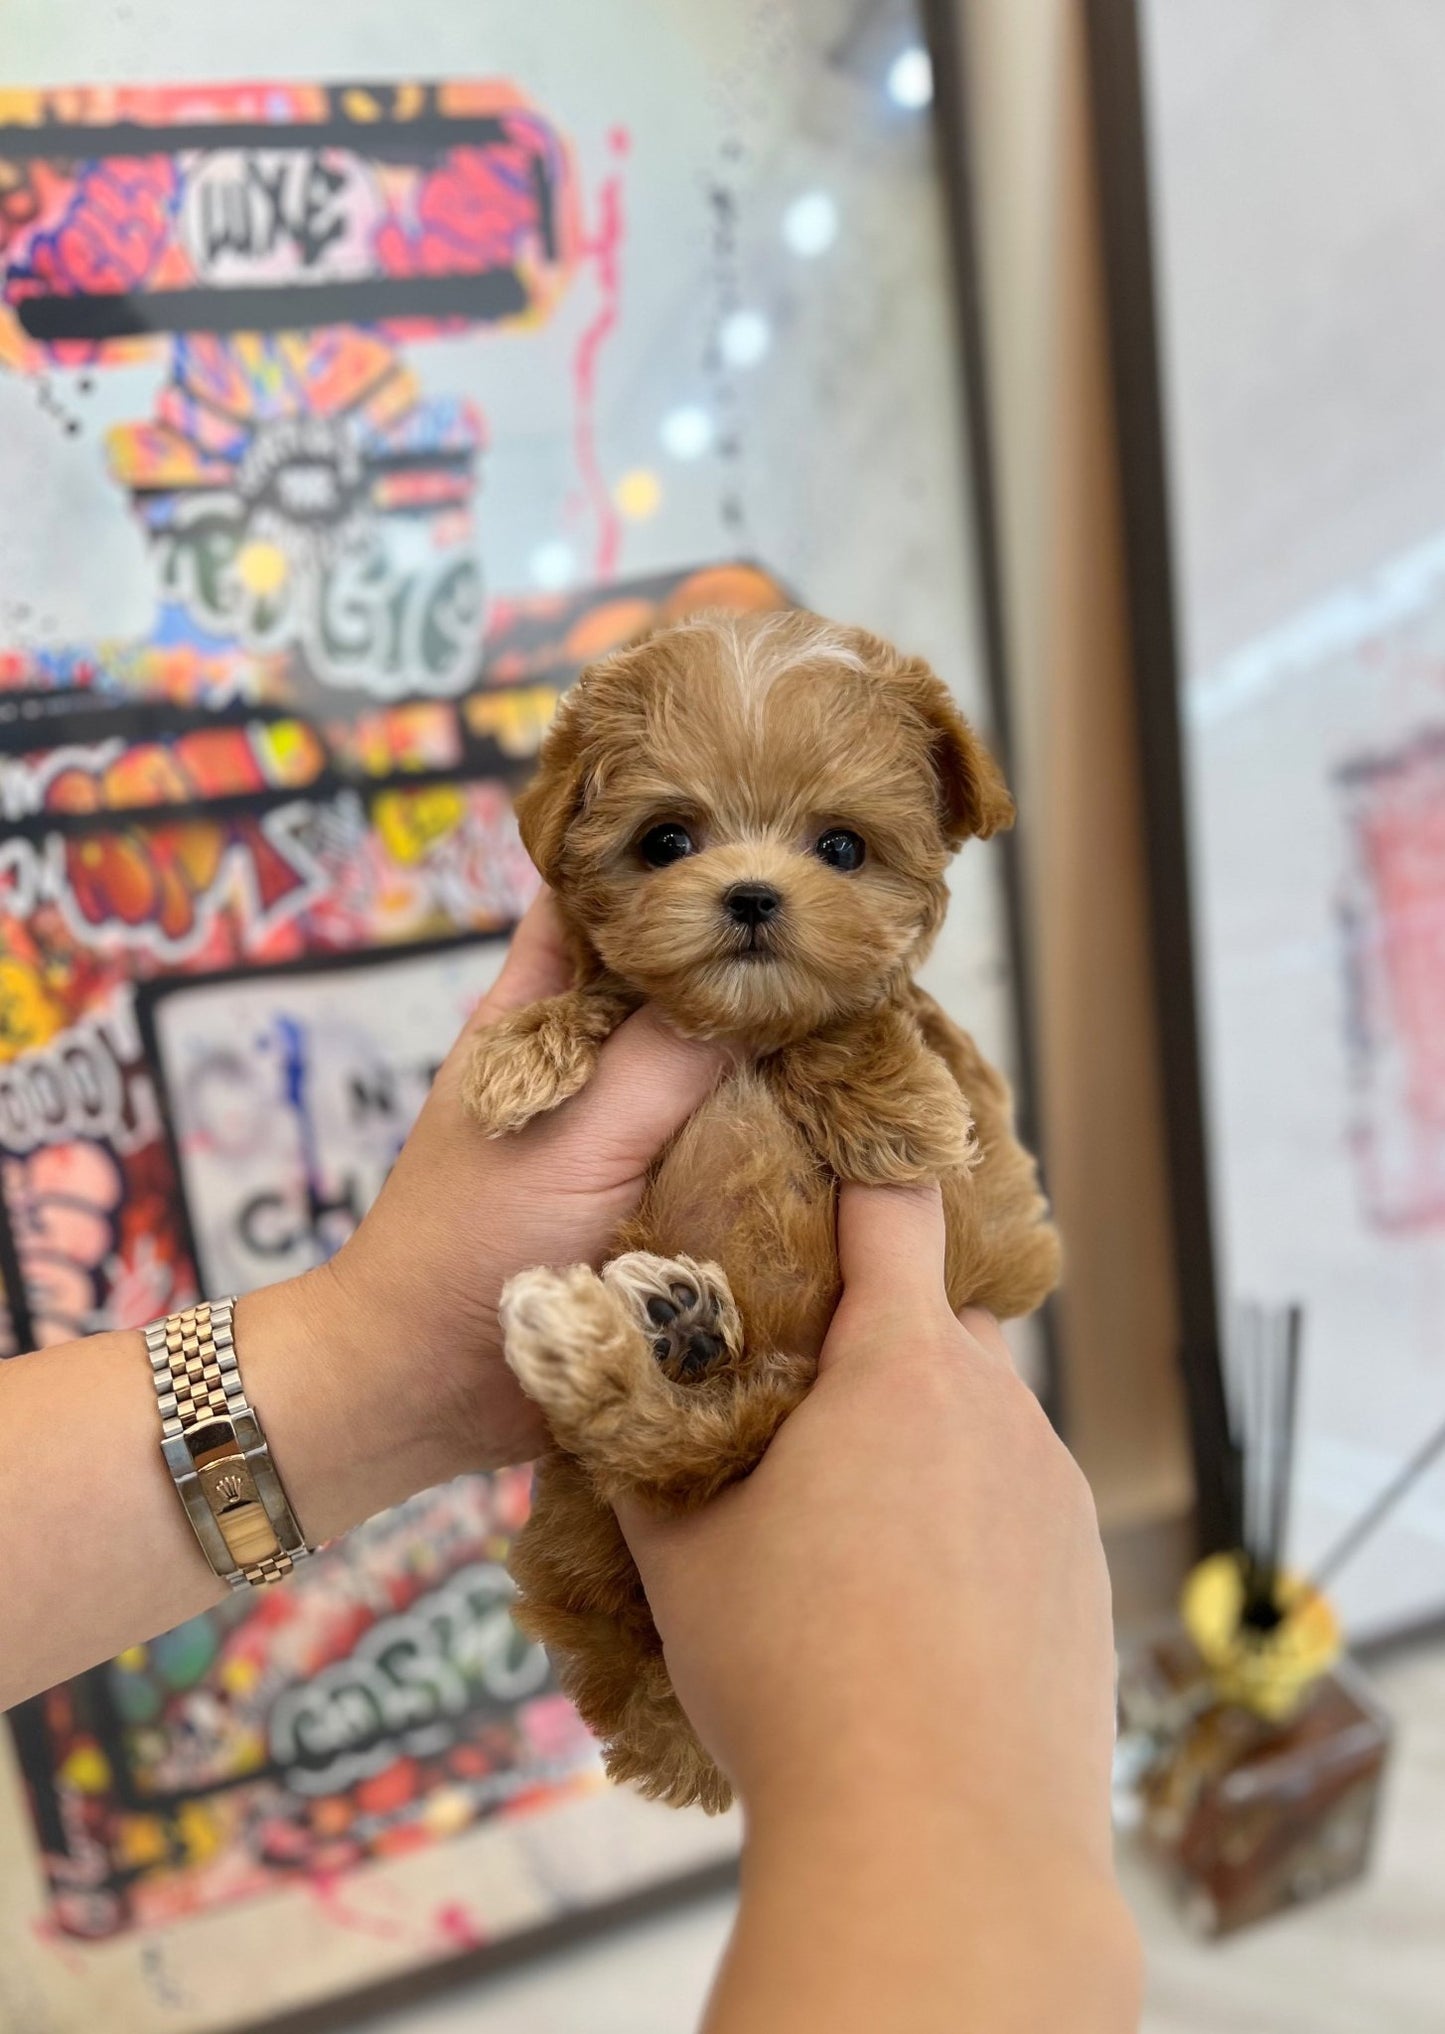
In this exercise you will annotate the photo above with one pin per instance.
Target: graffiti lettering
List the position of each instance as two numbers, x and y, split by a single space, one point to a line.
271 1226
394 631
159 888
86 1902
374 1092
278 212
24 784
362 616
65 1203
408 1685
21 886
88 1082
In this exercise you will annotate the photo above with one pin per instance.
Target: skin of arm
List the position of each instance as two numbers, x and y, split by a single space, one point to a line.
895 1637
374 1376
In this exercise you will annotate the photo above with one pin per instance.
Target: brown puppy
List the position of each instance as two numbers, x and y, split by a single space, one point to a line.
746 821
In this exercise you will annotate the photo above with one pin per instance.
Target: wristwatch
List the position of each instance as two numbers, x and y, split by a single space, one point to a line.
215 1450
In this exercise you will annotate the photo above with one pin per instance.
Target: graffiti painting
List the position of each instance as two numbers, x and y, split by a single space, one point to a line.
288 1094
385 1702
304 760
309 510
348 415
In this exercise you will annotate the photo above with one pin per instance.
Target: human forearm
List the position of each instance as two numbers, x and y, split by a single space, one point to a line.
96 1552
907 1913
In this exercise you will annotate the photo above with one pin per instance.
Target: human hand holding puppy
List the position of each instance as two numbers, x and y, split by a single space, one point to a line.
895 1638
459 1215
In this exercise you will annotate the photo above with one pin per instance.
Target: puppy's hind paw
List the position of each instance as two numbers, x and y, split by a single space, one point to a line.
571 1344
685 1309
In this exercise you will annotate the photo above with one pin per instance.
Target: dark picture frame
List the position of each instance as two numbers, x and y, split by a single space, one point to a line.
1116 92
945 24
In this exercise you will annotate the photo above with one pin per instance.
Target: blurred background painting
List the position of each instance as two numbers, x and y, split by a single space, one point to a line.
363 373
1299 280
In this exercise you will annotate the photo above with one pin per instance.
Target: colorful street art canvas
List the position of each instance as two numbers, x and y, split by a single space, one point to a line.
1293 246
288 1094
360 382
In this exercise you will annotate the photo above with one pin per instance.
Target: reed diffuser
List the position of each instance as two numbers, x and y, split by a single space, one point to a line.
1253 1753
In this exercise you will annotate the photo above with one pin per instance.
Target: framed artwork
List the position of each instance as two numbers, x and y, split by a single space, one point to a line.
361 381
1272 271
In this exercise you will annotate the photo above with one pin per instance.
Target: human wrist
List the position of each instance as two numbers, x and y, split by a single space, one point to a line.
347 1436
963 1901
969 1794
957 1748
435 1338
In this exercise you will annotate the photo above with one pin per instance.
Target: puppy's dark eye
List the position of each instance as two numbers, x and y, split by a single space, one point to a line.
841 849
663 844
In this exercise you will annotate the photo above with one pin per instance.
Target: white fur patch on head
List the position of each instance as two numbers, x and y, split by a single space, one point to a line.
765 647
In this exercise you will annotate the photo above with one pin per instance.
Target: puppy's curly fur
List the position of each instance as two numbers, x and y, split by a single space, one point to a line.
765 751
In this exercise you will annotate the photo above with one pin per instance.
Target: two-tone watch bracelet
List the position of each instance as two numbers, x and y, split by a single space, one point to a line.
215 1450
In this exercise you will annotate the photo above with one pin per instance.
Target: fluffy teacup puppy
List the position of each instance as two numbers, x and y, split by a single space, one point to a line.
746 821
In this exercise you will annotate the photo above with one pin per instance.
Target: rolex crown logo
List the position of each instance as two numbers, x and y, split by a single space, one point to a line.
229 1489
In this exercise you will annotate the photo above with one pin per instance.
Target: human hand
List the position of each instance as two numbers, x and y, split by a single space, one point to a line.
908 1598
895 1639
411 1300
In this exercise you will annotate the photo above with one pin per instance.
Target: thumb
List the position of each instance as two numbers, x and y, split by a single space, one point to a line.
649 1080
891 1243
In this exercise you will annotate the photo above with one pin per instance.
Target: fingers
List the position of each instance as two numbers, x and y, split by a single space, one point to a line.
649 1080
891 1249
537 963
891 1244
666 1545
646 1532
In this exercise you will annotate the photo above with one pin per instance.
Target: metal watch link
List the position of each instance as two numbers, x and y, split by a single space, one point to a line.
215 1450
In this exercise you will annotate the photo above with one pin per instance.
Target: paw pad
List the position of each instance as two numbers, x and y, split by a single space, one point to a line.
690 1320
689 1343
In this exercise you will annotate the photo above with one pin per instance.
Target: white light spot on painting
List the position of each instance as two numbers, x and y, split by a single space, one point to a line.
553 565
744 338
910 77
810 224
687 432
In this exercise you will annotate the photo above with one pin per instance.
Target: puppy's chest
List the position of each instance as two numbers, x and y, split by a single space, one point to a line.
741 1187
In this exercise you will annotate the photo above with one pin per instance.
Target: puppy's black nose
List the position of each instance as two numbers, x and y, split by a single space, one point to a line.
752 903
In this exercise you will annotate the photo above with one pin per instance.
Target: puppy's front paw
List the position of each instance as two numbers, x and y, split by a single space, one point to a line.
933 1137
684 1308
523 1065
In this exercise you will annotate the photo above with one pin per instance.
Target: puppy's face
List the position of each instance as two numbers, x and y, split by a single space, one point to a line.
749 818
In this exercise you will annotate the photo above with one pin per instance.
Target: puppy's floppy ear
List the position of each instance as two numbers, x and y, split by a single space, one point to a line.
553 799
974 799
590 724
